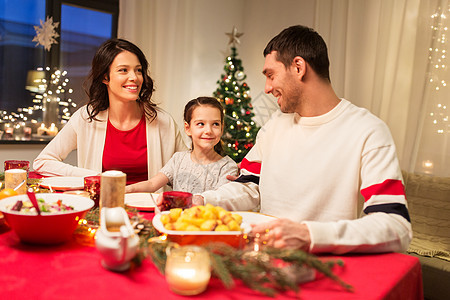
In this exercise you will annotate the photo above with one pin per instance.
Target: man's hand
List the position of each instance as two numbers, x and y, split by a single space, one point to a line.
198 200
284 233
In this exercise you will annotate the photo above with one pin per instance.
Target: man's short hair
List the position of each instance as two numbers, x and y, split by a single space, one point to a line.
304 42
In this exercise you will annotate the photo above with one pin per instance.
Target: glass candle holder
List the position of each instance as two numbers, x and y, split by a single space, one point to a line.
176 199
9 133
92 186
17 164
188 270
27 132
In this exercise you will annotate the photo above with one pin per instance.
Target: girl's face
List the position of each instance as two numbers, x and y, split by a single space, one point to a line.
205 127
125 78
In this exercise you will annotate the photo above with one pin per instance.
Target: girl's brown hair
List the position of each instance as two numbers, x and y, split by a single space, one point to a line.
205 101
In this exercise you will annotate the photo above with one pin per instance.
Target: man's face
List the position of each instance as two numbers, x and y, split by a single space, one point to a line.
283 83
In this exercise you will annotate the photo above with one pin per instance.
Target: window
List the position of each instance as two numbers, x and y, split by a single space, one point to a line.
27 96
18 53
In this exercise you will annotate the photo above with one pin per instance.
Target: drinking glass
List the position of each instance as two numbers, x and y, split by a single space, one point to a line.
92 186
176 199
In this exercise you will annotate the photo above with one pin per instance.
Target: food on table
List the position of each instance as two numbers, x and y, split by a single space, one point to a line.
45 207
201 218
7 193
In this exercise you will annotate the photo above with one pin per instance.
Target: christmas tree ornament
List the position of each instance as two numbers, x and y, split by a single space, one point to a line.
234 36
229 101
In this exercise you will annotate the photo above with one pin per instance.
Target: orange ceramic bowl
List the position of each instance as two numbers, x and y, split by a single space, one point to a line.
47 228
232 238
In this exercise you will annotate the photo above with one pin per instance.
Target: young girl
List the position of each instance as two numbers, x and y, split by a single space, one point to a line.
202 168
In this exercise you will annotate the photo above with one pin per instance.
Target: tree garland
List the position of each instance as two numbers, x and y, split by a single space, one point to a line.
268 270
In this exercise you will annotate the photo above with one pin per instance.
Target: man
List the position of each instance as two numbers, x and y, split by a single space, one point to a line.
312 159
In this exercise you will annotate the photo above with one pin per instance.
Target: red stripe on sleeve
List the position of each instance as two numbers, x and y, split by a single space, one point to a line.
251 166
388 187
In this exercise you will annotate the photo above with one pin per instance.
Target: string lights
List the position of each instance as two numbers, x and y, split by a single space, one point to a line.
432 152
438 71
47 90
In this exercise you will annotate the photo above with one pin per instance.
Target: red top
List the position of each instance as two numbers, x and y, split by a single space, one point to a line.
126 151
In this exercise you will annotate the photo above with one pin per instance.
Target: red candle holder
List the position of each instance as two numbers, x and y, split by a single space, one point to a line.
92 186
176 199
17 164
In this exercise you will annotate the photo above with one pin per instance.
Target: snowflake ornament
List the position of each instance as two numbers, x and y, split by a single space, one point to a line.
46 34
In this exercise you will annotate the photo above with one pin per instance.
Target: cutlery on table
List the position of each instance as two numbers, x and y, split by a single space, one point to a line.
19 185
33 200
157 211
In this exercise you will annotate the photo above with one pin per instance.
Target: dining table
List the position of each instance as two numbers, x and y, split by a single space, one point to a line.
73 270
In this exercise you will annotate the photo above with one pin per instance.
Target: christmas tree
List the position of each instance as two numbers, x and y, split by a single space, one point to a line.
240 130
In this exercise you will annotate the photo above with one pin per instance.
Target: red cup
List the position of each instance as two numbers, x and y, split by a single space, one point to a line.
92 186
17 164
176 199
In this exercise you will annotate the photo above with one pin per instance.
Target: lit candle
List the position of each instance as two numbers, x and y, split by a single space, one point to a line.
427 166
112 189
42 130
27 132
188 270
52 130
14 177
9 131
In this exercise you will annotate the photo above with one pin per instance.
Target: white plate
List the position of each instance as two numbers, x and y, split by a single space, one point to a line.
247 219
62 183
141 201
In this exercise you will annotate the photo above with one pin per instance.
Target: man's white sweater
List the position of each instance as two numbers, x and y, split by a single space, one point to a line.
311 170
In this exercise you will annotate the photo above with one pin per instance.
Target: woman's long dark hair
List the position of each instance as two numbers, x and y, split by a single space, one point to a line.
97 91
205 101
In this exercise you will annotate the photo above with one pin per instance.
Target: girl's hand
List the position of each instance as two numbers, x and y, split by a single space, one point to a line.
159 202
232 177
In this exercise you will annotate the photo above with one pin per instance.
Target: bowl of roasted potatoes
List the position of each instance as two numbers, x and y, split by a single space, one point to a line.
205 224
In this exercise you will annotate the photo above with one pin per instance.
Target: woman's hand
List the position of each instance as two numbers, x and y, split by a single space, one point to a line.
284 233
128 189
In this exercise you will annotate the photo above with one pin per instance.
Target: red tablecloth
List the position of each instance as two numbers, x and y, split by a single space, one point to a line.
73 271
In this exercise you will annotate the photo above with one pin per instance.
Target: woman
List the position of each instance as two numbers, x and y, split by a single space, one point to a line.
120 128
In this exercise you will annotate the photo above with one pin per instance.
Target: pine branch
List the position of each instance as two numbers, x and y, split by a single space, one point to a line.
258 270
